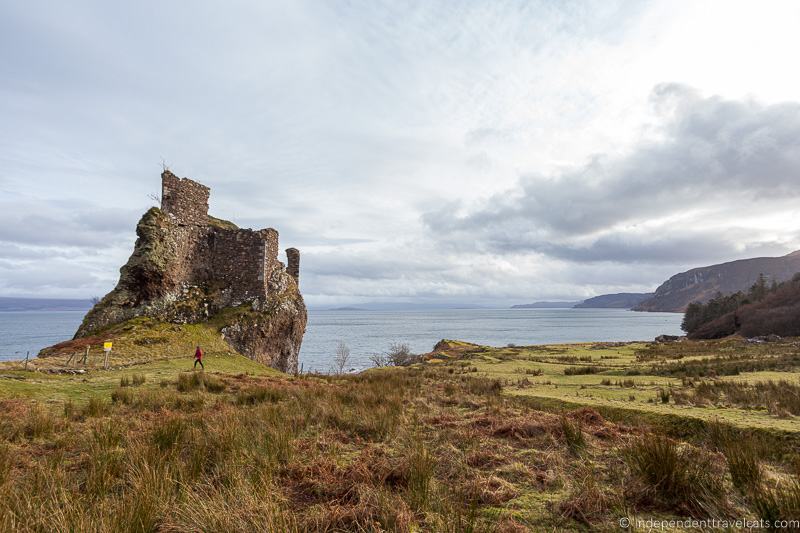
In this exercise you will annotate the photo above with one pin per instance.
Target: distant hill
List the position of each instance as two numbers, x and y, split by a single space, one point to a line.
43 304
546 305
701 284
620 300
403 306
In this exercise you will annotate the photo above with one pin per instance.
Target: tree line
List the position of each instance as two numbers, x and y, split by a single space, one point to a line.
766 308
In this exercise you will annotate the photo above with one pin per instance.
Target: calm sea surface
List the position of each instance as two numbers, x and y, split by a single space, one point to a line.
368 332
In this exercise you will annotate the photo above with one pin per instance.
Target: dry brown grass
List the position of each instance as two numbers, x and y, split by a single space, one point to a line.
390 450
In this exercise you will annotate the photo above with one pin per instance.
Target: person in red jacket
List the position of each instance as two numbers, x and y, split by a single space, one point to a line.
198 358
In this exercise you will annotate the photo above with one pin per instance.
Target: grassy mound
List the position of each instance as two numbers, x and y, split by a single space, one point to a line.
141 347
142 339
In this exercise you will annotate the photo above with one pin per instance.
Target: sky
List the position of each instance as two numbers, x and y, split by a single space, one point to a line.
451 153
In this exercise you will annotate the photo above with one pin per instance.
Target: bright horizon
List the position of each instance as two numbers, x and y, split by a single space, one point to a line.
485 154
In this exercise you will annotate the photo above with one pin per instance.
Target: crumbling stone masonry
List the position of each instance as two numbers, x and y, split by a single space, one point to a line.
184 199
238 259
293 263
188 266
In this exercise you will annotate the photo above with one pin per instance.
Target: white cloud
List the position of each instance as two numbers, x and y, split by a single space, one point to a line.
342 124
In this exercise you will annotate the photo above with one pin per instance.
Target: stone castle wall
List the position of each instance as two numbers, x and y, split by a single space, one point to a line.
184 200
239 259
242 259
293 263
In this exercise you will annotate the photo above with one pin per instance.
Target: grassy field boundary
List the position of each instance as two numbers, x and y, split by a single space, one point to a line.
686 428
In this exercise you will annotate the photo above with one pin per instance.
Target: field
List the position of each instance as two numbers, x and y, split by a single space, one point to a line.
693 380
542 438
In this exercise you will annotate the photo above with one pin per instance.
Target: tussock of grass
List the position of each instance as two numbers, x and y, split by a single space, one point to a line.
104 459
199 381
5 462
583 370
779 503
664 395
678 478
169 433
421 464
744 466
95 407
483 386
588 500
40 423
572 434
742 453
122 395
135 380
256 395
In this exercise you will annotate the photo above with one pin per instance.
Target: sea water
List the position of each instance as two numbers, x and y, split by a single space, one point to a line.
371 332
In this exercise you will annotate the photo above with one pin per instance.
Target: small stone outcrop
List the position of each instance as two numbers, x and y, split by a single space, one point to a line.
189 267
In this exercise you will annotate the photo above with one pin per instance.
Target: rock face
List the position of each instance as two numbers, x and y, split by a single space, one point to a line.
701 284
189 267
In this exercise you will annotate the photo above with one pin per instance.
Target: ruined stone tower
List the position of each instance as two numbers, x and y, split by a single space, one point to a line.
184 200
293 263
188 266
214 250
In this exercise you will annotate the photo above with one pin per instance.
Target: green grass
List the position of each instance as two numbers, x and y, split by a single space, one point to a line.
100 383
566 376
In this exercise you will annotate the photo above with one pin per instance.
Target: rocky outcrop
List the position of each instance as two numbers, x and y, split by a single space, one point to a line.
702 284
189 267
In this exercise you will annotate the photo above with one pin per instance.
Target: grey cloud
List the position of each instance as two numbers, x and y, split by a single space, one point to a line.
55 276
14 252
684 247
711 154
78 225
367 267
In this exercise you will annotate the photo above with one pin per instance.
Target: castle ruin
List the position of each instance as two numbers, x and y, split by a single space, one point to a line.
211 250
189 267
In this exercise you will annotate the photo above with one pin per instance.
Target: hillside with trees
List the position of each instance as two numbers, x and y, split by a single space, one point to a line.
765 309
705 283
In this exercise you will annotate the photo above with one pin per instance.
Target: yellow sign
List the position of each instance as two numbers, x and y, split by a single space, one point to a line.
107 345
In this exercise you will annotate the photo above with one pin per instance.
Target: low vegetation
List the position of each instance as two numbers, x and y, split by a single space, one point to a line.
468 438
780 398
675 477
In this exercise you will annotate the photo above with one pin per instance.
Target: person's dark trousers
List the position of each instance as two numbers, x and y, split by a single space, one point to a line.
201 364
